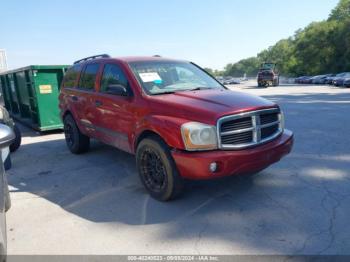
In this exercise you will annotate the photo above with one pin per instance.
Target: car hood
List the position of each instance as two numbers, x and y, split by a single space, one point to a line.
207 105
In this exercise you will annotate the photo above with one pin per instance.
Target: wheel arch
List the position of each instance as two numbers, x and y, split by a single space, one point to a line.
165 127
77 122
66 113
147 133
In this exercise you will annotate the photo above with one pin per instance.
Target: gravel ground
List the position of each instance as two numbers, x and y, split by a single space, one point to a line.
95 203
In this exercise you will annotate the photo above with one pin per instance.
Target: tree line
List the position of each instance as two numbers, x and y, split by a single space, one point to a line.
320 48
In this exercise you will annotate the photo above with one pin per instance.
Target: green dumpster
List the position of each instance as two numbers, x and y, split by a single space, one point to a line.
30 94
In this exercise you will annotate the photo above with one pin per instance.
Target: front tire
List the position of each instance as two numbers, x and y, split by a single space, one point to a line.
157 169
76 141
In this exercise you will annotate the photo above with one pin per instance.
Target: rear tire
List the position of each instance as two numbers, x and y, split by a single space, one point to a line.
77 142
18 139
157 169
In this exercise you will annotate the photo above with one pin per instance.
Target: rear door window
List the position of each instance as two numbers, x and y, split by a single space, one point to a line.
88 79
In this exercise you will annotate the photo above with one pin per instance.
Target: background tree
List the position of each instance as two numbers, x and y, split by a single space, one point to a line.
320 48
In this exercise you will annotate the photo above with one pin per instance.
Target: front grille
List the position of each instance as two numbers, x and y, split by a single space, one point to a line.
249 129
269 131
268 118
234 139
237 124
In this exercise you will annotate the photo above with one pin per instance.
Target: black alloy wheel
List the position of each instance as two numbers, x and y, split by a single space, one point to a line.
157 169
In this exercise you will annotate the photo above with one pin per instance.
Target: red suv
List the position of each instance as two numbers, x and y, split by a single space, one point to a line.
177 119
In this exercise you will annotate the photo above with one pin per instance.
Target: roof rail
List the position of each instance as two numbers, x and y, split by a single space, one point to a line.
91 58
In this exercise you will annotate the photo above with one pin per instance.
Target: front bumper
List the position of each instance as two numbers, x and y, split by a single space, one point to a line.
195 165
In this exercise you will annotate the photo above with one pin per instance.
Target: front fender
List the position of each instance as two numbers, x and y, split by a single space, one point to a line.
167 127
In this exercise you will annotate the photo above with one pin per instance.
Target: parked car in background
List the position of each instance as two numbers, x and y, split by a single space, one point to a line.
231 81
329 80
339 80
302 79
220 79
178 120
6 119
320 79
347 82
323 80
306 80
314 79
6 139
298 79
310 80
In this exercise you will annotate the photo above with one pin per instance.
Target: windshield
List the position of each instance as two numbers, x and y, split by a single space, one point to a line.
161 77
267 66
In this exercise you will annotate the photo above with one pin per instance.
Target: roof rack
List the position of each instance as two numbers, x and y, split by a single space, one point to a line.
91 58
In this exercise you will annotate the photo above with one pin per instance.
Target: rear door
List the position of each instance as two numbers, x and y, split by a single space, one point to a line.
114 113
68 93
84 98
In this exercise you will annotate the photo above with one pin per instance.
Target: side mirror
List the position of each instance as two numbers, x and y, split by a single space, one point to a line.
6 136
118 90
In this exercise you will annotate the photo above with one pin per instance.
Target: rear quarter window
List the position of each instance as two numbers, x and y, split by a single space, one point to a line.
70 78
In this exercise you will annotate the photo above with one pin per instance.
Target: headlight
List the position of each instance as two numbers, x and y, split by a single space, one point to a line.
198 136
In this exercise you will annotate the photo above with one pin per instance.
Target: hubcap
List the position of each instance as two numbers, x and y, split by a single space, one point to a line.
153 170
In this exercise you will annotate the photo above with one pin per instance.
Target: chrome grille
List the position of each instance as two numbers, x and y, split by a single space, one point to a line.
268 131
239 138
249 129
237 124
268 118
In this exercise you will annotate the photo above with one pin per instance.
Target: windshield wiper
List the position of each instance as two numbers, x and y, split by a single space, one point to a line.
183 90
164 93
198 88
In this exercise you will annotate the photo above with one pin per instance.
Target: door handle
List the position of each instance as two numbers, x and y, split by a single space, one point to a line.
74 98
98 103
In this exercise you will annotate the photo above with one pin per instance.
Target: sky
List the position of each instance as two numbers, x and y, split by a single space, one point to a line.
208 32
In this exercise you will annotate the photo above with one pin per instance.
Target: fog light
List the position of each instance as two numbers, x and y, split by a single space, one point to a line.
213 167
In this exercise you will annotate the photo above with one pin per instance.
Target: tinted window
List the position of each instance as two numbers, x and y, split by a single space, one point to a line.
71 76
87 81
113 75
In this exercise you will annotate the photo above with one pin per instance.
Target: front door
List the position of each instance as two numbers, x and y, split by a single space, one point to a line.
114 111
